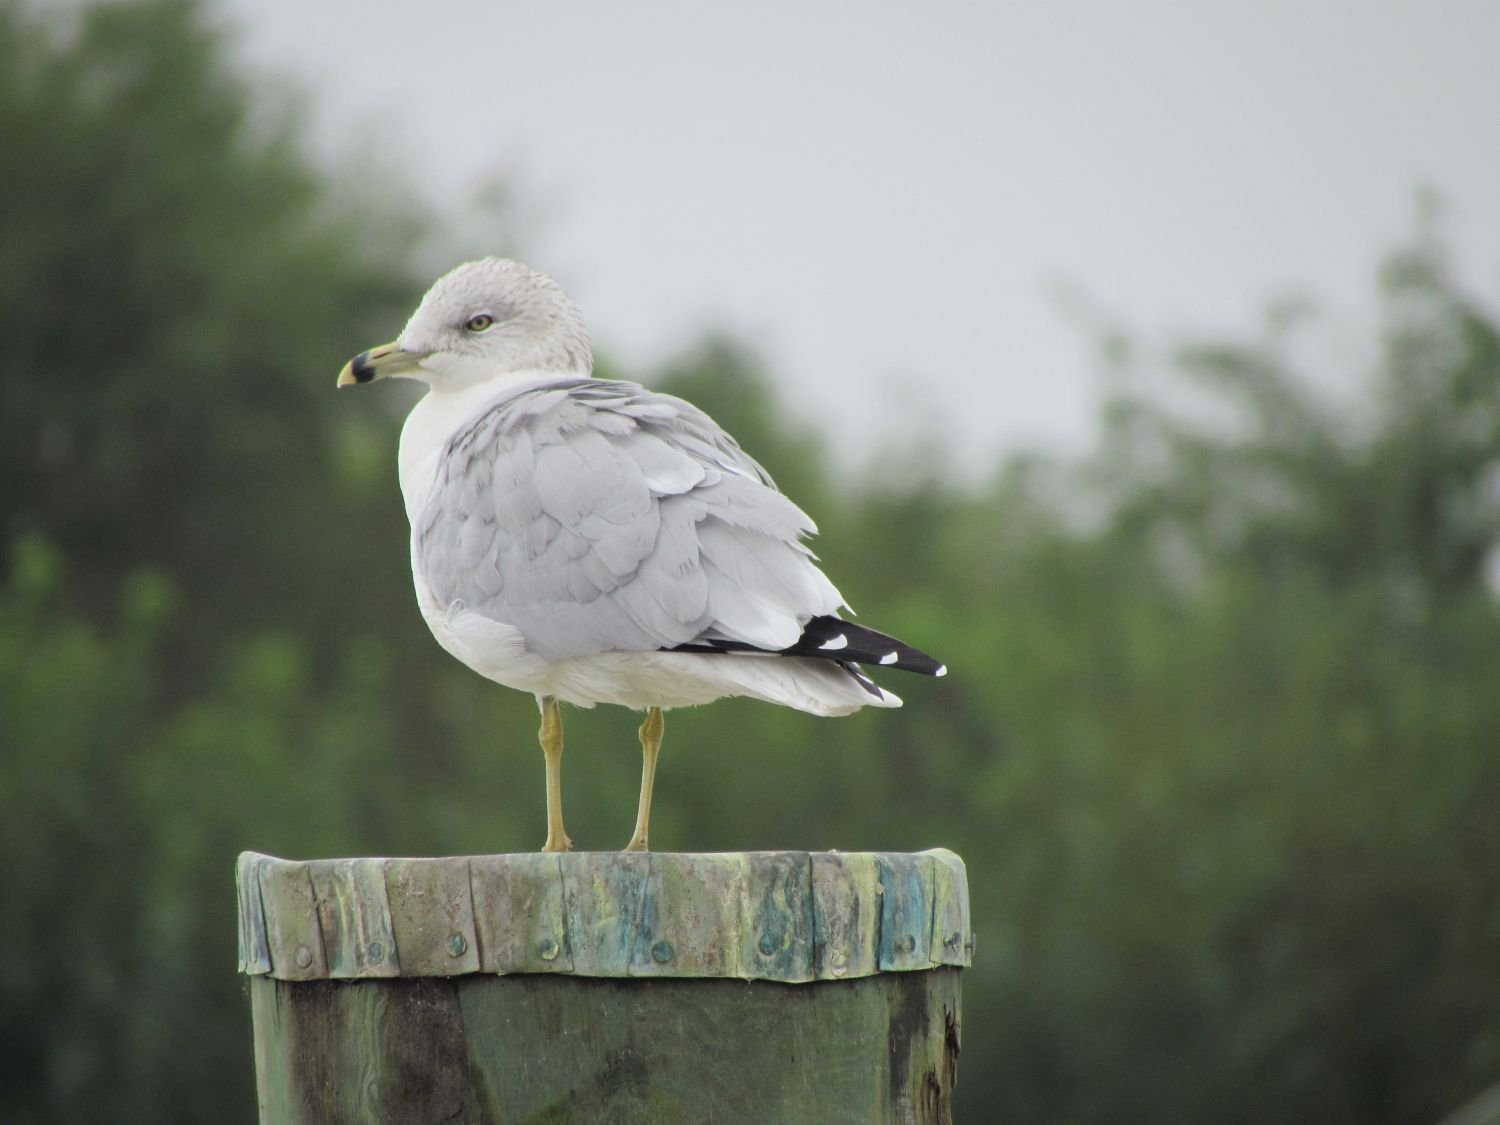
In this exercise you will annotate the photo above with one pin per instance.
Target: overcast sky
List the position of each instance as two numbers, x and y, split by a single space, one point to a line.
875 192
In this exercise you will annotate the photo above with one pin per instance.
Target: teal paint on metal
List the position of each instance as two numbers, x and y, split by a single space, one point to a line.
692 917
952 941
519 909
782 927
906 912
604 893
294 934
846 914
354 917
432 916
793 917
255 958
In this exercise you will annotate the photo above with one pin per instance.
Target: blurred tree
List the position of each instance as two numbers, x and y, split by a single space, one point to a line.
172 275
1244 846
177 289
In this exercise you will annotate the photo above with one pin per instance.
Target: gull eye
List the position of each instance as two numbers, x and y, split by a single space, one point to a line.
479 322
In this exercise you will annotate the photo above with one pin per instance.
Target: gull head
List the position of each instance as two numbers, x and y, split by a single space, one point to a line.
483 320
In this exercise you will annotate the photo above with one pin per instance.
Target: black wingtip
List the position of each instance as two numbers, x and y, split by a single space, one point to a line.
858 675
832 638
837 639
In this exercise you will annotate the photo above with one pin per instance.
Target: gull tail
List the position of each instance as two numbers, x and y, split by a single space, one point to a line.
837 639
832 638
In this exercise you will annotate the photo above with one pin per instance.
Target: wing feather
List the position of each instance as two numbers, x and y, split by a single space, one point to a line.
597 516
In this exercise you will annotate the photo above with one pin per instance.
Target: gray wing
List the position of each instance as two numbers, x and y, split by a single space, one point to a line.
598 516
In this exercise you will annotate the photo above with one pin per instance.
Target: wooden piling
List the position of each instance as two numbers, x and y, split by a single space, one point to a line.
606 987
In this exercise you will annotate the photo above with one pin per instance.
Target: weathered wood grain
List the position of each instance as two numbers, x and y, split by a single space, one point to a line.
549 1048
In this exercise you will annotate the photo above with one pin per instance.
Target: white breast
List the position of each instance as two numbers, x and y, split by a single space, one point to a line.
492 649
440 414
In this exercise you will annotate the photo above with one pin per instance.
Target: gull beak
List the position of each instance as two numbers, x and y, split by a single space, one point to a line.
379 363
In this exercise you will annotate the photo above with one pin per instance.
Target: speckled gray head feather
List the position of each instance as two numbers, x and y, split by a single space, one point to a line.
533 325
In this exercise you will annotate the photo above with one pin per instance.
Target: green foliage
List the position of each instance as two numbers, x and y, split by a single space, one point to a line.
1218 745
1243 850
171 275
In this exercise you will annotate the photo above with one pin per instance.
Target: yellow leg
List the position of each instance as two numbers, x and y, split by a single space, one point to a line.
551 737
651 732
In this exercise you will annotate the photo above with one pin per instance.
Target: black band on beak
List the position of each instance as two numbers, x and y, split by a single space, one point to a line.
361 368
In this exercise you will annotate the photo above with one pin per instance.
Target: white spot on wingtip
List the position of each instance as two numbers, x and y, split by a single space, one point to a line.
834 644
889 658
942 670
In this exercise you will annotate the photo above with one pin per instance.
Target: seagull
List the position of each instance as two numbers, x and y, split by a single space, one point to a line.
592 541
